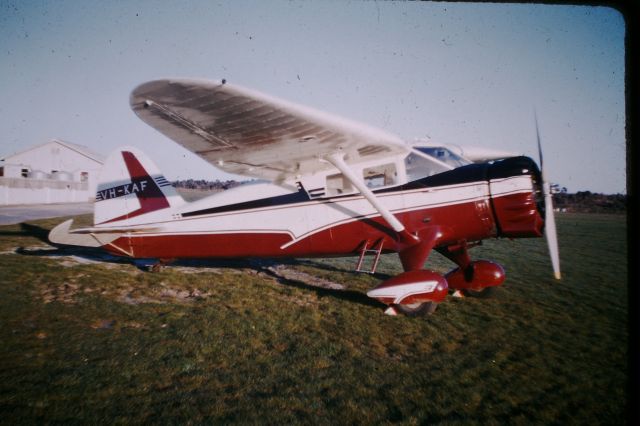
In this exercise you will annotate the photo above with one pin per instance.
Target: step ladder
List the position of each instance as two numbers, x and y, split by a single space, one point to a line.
375 249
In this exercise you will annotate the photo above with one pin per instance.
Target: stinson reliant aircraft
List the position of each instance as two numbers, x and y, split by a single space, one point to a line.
327 186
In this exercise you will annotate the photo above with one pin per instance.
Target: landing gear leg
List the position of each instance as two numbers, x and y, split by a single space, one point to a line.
472 278
412 259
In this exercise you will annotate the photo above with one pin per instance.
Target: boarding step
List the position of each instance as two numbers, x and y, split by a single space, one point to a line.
375 249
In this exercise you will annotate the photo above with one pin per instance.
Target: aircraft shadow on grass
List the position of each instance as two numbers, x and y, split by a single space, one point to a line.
265 266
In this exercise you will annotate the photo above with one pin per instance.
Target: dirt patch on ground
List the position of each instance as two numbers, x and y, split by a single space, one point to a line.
65 293
163 294
282 271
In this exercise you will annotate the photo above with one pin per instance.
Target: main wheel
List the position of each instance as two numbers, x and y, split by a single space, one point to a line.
417 309
480 294
156 267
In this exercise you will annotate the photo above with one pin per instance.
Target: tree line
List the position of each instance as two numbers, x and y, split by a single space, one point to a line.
589 202
205 185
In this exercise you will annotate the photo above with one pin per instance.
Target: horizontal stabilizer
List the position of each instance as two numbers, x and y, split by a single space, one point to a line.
63 235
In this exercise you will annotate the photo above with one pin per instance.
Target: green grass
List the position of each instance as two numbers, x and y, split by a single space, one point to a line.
229 343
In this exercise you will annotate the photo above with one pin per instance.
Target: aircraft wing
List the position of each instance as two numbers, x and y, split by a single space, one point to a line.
245 132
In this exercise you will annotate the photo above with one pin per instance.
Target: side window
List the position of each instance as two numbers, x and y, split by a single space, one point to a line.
382 175
417 167
338 185
24 173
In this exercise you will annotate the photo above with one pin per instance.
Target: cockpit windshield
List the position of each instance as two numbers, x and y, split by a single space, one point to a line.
433 160
444 155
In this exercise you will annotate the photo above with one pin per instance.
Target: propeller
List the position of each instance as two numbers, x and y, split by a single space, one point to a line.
549 219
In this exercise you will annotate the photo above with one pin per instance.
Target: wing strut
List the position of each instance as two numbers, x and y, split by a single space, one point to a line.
337 160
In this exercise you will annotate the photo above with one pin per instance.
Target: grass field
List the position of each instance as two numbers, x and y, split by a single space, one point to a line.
92 340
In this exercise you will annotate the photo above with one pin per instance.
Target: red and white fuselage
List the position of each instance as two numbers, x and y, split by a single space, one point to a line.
333 187
266 220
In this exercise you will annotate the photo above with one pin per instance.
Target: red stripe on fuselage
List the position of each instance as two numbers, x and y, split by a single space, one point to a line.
467 221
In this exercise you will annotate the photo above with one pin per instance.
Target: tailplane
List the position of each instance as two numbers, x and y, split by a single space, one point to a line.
130 187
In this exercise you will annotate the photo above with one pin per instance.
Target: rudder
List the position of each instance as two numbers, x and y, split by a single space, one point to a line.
131 186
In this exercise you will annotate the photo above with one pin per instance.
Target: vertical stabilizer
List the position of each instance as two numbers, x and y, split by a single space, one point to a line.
131 188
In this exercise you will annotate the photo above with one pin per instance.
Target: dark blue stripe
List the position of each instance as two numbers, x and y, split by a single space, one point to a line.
514 166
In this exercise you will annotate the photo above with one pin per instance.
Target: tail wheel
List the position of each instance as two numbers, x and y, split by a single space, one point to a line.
417 309
156 267
484 293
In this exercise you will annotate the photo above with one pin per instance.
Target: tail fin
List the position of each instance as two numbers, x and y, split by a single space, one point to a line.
131 186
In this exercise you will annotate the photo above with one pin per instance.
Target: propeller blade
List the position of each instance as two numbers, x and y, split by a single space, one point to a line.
550 232
535 118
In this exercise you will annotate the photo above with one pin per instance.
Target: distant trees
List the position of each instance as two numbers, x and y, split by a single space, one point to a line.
589 202
205 185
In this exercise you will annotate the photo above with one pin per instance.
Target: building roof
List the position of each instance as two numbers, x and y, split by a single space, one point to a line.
80 149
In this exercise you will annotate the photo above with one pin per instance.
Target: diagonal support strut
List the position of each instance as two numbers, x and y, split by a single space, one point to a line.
337 160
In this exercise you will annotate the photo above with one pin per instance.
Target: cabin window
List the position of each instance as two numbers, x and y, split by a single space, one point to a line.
418 167
84 176
24 173
382 175
1 171
338 184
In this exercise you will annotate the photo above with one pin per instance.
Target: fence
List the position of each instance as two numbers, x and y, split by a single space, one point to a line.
42 191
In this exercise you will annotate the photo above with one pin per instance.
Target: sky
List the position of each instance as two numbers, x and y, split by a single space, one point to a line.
457 73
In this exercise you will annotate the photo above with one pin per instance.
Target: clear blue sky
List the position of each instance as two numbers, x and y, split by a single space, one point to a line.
460 73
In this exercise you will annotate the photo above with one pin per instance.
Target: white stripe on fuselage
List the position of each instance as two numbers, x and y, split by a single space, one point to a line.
301 220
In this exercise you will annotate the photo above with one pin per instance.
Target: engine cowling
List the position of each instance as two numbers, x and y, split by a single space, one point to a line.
514 183
482 275
411 287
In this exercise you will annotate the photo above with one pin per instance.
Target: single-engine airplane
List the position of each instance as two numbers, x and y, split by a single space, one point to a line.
327 186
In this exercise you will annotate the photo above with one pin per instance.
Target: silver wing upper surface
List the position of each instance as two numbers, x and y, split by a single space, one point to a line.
245 132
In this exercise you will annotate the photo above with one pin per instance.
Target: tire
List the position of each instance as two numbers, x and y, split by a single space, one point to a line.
156 267
417 309
485 293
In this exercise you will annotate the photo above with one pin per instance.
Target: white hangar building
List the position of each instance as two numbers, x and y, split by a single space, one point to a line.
54 172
